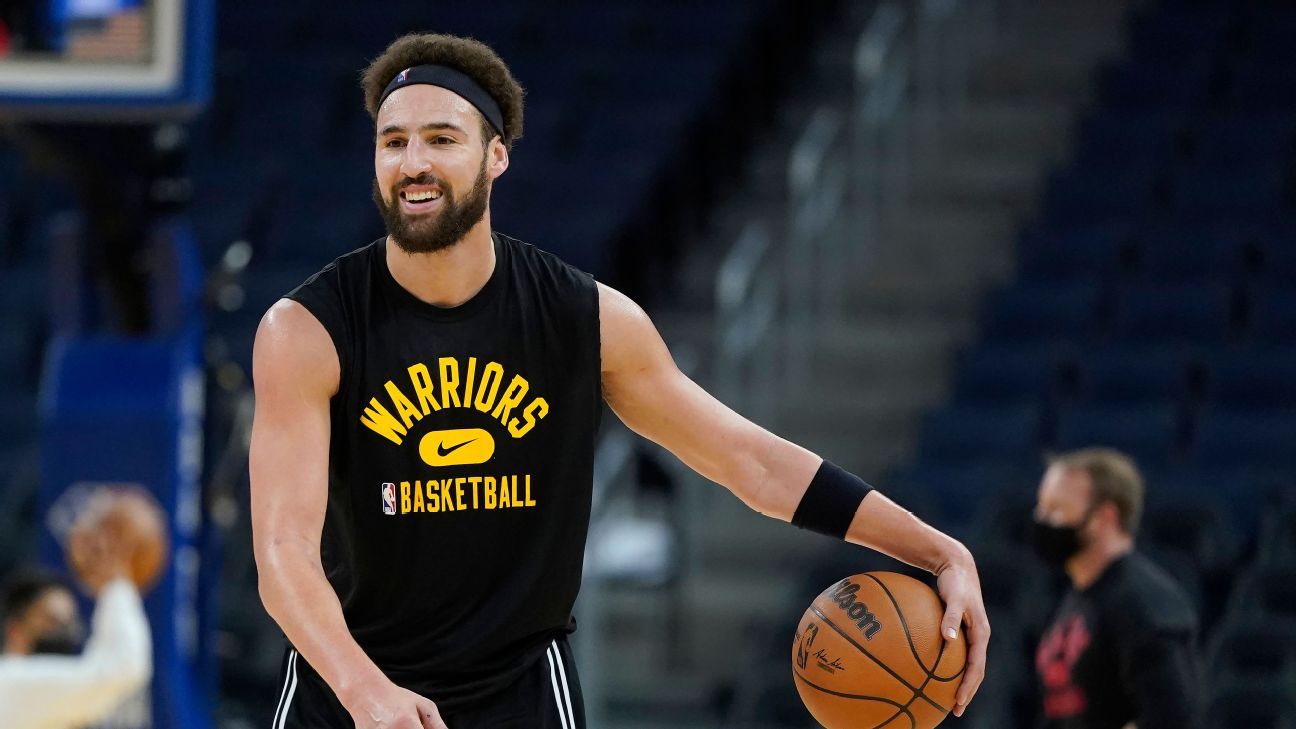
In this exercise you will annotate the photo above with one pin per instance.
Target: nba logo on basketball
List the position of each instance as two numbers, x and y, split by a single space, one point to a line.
389 499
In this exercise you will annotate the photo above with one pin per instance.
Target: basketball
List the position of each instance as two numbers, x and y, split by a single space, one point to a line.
868 654
141 522
130 519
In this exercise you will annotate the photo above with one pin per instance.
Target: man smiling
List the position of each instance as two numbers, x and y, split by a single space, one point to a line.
423 448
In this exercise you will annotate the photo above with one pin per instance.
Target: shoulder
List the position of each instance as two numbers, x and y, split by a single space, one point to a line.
545 263
618 310
292 345
1147 598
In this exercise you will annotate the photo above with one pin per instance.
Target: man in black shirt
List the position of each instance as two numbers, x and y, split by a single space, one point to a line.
422 452
1120 649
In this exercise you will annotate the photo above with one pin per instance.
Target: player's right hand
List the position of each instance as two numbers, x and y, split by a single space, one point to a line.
388 706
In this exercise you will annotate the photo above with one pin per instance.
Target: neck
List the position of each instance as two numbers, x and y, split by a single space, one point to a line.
1085 568
448 277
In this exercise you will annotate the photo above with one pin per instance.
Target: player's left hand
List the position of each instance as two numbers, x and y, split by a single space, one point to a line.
960 588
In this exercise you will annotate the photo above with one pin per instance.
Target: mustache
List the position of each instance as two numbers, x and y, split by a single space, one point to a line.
425 179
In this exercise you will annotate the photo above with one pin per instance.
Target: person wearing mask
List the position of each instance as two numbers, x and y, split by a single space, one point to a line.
46 680
1121 648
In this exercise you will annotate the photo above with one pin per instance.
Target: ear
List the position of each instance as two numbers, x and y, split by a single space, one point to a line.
1110 515
497 158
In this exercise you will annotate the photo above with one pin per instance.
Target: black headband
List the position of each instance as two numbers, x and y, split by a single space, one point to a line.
454 80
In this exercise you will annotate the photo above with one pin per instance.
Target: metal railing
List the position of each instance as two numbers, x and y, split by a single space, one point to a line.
814 282
848 184
746 302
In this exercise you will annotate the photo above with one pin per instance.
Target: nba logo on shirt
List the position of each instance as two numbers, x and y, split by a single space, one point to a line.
389 499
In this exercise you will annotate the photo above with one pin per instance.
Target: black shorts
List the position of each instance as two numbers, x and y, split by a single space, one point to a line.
546 696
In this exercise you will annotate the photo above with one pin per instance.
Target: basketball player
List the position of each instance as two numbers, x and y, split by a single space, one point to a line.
422 452
46 680
1120 649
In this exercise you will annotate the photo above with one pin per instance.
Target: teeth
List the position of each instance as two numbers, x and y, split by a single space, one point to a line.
422 196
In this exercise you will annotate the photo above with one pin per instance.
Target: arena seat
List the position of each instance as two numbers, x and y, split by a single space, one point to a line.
1251 379
1096 252
1008 374
1173 313
1257 85
1252 704
972 434
1133 374
1242 438
1041 312
1240 139
1278 541
1208 192
1157 84
1149 433
1190 252
1102 193
1272 315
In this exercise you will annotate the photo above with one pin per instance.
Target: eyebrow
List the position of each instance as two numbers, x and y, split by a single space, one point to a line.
432 127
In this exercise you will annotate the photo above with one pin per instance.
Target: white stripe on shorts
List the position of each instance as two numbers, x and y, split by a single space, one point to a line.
286 695
553 678
562 676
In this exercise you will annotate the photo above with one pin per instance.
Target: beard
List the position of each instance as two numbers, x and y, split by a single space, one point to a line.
431 232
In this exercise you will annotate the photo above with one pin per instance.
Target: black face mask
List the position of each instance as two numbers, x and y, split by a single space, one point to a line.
64 640
1057 544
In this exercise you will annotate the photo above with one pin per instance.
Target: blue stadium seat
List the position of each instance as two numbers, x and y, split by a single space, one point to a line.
1180 34
1113 137
1157 85
1197 530
24 289
1182 252
1245 440
1173 313
1081 252
1243 139
18 421
1041 312
1276 245
1148 433
956 493
1245 494
1252 379
1268 590
1101 194
1272 317
1027 311
989 375
1257 85
1134 375
1251 191
980 434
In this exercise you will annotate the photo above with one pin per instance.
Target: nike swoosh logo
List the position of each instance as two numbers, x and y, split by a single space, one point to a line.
443 451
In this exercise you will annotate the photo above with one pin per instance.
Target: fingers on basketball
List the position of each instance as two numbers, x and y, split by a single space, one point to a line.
869 653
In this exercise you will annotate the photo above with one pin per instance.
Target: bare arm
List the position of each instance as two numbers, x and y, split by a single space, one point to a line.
655 399
296 371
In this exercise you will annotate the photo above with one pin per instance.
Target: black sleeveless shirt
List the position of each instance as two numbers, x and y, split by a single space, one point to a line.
460 465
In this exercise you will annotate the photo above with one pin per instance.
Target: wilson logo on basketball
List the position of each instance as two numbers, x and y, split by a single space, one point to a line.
844 597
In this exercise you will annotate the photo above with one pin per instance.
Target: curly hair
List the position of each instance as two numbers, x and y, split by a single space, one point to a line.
468 55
